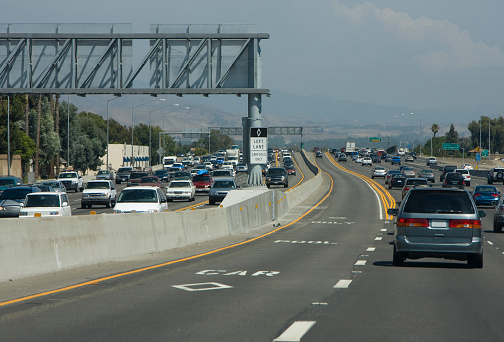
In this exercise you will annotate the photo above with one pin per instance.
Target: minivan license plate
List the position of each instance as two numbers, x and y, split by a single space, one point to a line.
439 224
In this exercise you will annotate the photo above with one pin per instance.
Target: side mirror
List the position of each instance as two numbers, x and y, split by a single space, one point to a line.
65 204
481 213
163 200
393 211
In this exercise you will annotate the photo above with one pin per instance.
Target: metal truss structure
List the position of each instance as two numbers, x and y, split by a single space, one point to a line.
272 130
99 59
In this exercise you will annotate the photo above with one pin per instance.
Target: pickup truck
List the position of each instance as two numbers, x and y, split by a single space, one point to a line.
71 180
123 174
99 192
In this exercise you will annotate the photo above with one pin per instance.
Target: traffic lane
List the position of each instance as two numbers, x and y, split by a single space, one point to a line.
273 279
427 300
381 294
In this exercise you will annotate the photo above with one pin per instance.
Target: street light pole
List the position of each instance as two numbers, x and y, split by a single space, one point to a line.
115 98
132 124
171 111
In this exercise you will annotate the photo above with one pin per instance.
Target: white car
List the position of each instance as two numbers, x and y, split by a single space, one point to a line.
42 204
241 168
229 167
467 166
101 192
181 189
208 165
367 161
467 176
141 199
378 171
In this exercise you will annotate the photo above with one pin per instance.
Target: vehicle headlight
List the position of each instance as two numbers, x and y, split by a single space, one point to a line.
54 213
117 211
74 181
85 195
152 211
23 213
268 178
3 208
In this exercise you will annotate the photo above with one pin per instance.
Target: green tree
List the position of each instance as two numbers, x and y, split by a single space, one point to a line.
435 129
452 135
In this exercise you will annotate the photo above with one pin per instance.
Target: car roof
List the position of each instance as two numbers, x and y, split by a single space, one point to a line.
140 187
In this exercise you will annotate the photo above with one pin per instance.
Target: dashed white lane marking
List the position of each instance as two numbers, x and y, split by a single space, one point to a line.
360 263
342 284
490 243
378 238
383 230
370 249
295 332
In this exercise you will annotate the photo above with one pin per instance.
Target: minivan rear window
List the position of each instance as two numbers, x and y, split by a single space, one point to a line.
438 202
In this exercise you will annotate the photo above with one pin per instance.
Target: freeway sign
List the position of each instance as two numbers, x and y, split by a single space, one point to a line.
484 153
258 145
450 146
375 139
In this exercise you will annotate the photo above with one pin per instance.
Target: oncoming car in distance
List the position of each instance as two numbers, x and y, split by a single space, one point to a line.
181 190
141 199
43 204
220 188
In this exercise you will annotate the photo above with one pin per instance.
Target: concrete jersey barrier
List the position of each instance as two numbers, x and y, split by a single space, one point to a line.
59 243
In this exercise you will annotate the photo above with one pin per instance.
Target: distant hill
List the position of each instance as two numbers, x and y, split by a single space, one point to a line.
337 119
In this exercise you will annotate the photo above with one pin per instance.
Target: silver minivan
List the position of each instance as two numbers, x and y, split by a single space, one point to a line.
438 223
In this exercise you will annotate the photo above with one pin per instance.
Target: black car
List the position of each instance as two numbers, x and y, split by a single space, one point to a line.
12 199
123 174
495 175
453 180
163 175
277 176
397 180
446 169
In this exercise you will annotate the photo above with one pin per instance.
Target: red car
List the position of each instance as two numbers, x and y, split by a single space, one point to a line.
290 169
202 182
151 181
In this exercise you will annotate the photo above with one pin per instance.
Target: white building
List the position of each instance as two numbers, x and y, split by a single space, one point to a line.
120 155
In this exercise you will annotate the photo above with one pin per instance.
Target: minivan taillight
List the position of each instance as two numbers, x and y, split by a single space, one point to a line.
464 224
412 222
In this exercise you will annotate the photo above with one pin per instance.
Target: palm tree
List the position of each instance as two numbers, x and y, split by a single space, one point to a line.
435 129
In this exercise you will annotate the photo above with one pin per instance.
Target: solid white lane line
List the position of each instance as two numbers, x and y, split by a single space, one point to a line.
295 332
342 284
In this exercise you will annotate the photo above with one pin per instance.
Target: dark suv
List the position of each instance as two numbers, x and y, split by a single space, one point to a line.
438 223
453 180
277 176
495 175
446 169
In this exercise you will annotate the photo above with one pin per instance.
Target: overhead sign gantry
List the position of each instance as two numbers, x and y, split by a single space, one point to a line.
85 59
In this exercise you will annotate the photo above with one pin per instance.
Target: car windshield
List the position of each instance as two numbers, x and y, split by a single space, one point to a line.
137 175
453 176
121 170
485 189
417 182
149 180
138 195
275 171
224 184
53 184
222 173
42 201
398 176
97 185
15 194
103 172
7 181
426 171
201 179
180 185
67 175
438 202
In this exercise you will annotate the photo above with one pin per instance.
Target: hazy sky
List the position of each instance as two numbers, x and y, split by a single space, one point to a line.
420 54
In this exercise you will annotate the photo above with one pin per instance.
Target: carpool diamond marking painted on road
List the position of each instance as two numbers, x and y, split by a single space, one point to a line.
202 287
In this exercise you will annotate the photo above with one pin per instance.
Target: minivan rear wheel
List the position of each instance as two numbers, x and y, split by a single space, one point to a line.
475 260
398 258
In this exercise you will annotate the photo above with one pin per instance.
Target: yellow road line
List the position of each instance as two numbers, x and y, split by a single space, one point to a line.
386 198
